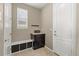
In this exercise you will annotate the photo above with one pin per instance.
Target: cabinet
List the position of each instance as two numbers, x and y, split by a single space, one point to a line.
39 40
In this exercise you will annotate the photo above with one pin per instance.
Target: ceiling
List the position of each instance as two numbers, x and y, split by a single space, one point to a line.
37 5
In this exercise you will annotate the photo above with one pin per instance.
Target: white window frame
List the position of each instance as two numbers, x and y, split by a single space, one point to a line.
22 18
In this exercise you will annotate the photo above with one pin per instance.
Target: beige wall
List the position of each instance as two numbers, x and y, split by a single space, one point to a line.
1 30
77 29
33 18
47 24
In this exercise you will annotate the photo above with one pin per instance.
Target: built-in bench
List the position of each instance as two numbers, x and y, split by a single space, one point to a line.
21 45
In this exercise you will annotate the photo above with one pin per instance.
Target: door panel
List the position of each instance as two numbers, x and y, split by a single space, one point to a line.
63 28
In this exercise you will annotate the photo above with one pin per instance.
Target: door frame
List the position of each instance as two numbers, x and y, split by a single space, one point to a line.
4 28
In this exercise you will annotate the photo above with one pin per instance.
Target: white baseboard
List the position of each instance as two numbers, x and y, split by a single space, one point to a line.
51 50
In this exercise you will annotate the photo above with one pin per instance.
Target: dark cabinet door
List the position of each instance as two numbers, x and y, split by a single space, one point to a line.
35 45
39 41
43 39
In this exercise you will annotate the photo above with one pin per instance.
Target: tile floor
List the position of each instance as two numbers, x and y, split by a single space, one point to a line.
31 52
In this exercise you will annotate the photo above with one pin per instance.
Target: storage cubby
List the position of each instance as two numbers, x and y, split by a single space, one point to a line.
15 48
29 45
21 46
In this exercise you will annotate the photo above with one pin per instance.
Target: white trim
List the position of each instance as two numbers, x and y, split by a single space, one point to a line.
58 53
51 50
23 41
6 45
74 30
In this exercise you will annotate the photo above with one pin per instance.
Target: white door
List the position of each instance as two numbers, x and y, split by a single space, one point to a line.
7 29
63 28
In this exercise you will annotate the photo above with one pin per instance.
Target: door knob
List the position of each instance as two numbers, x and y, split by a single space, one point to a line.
55 31
54 34
5 40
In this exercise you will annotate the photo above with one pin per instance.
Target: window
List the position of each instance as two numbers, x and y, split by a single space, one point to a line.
22 18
